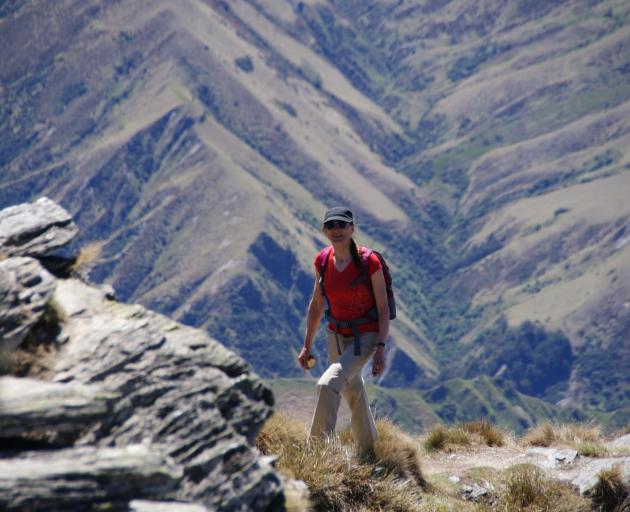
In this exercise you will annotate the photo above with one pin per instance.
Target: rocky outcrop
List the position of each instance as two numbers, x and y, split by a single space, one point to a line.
36 229
138 412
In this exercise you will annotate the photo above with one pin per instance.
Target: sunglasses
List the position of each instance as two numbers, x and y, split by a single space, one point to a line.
332 224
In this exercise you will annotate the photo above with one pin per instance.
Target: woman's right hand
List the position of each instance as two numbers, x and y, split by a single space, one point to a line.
303 357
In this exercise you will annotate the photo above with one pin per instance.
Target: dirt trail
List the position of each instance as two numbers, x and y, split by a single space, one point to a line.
558 463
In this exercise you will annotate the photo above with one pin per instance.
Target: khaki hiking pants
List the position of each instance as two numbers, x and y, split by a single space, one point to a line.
343 377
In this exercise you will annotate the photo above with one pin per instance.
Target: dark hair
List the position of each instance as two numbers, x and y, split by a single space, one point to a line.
354 252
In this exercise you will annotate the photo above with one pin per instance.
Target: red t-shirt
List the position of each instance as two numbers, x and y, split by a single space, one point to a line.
348 302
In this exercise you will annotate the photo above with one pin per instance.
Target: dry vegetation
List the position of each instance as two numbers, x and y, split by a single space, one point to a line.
525 487
586 439
474 433
338 477
88 256
390 477
611 492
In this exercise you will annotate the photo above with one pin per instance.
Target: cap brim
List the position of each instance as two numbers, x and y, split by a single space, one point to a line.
338 217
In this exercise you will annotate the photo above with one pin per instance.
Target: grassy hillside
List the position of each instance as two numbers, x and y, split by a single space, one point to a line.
483 146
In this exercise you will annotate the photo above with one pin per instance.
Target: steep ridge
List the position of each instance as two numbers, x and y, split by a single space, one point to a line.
208 136
482 144
522 109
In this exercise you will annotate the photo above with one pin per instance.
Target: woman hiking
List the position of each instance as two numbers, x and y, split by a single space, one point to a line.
352 291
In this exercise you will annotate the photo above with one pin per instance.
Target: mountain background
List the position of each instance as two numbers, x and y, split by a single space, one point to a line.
482 145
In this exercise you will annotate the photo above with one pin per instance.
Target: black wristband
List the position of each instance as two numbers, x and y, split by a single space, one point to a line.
380 344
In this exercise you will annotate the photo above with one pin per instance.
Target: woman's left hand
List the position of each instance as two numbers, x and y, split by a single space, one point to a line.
378 362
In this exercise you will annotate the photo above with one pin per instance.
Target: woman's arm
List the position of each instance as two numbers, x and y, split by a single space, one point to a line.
382 306
313 317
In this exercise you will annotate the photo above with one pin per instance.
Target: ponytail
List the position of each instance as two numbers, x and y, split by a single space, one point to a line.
354 252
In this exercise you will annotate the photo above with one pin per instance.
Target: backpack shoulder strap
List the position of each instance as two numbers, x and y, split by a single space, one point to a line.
365 253
364 268
322 263
322 260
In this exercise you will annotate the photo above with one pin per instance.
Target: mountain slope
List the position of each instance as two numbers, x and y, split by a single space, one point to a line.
482 145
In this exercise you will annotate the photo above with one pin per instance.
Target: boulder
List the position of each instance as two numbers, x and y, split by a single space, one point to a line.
81 478
35 229
25 290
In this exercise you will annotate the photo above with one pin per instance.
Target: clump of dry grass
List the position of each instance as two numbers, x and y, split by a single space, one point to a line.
445 438
398 452
541 435
467 434
88 255
526 488
488 434
591 449
338 478
586 439
611 493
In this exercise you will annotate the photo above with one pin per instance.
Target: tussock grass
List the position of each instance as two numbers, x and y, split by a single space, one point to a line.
445 438
88 255
398 452
586 439
526 488
467 434
611 493
340 479
591 449
488 434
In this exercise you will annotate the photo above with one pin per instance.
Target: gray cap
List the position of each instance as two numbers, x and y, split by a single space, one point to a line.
338 213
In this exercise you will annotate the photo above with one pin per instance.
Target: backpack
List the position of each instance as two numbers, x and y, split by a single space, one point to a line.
364 253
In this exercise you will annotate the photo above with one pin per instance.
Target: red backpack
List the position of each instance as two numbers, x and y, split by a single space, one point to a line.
364 276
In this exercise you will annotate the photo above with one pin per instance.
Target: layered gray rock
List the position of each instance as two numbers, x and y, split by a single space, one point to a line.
153 413
164 506
81 478
35 229
179 388
30 407
25 289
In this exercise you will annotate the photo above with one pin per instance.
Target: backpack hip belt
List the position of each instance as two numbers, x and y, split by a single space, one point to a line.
370 317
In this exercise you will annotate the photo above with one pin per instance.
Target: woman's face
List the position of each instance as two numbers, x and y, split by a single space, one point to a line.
338 231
